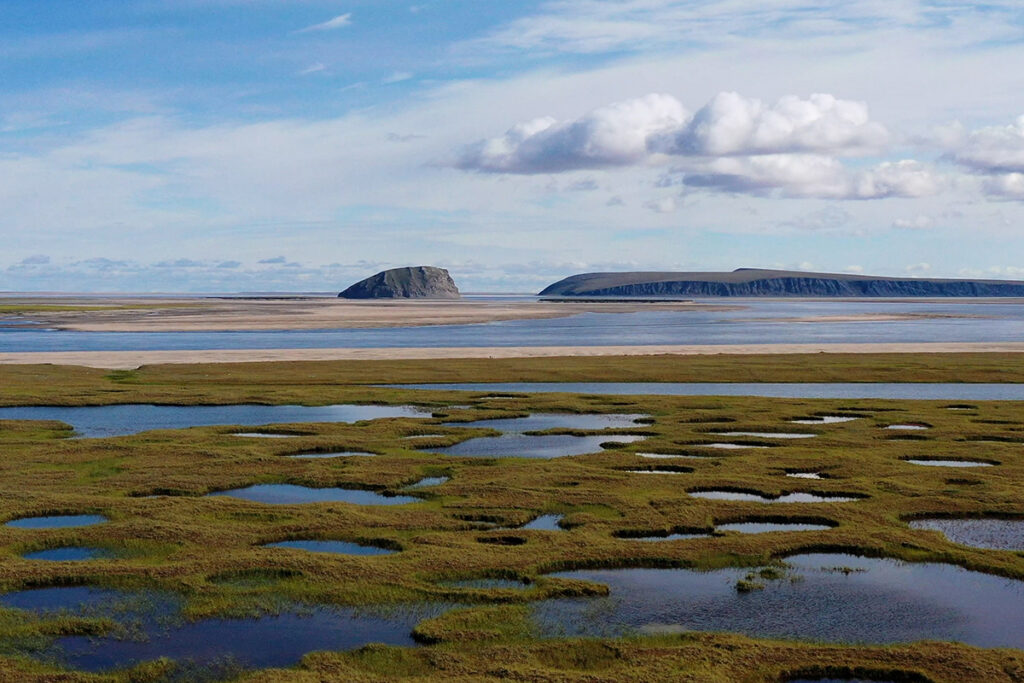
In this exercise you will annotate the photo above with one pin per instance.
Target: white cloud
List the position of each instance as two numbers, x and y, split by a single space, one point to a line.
594 26
731 124
340 21
809 175
995 149
615 135
919 267
918 222
1007 185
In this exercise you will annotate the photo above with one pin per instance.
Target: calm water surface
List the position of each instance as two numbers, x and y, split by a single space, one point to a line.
121 420
881 601
270 641
290 494
994 534
56 521
762 323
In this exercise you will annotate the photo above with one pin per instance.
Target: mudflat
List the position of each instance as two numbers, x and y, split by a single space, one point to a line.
209 314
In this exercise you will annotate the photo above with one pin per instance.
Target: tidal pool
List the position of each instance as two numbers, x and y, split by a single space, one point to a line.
526 446
266 435
769 435
56 521
804 475
993 534
840 598
798 497
333 547
539 422
426 482
544 523
121 420
278 640
909 427
338 454
488 584
824 420
290 494
768 527
69 554
947 463
730 446
670 456
666 537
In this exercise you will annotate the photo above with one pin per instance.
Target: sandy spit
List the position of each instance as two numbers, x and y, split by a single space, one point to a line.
123 360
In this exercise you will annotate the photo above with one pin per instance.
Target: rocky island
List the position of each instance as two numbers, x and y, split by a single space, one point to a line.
759 282
414 282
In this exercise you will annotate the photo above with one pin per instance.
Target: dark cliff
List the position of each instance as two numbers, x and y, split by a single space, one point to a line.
416 282
756 282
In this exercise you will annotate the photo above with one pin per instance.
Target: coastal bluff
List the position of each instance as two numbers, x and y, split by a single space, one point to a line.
754 282
414 282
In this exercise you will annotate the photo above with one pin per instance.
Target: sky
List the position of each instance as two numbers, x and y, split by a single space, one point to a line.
301 145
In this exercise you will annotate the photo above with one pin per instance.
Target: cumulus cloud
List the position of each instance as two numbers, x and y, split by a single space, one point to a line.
995 149
615 135
809 175
731 124
274 261
732 144
1007 185
36 260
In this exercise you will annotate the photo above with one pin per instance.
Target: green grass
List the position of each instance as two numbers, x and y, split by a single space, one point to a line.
208 550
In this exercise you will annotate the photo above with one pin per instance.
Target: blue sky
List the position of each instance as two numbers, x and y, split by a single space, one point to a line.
239 145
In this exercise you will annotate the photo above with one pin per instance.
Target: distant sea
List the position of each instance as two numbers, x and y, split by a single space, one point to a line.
1001 322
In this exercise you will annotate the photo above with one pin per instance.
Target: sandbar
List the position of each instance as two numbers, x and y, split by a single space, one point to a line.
125 360
231 314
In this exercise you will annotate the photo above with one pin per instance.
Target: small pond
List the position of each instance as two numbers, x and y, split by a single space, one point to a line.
69 554
266 435
798 497
526 446
947 463
56 521
804 475
278 640
824 420
665 537
426 482
909 427
769 435
120 420
333 547
540 422
488 584
993 534
544 523
730 446
768 527
290 494
338 454
840 598
670 456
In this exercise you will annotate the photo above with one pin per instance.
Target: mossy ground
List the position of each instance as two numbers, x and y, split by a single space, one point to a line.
208 550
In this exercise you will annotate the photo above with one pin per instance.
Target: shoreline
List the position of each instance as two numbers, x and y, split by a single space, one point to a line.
127 360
